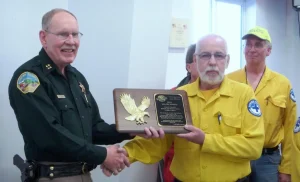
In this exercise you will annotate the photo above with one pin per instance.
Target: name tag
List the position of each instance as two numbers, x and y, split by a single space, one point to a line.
61 96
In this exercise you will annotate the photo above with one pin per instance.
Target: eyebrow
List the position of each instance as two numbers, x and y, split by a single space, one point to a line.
217 52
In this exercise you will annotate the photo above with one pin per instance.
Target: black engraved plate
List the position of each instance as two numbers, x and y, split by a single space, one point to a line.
170 110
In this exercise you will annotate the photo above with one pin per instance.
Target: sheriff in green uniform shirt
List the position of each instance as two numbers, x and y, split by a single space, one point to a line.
58 115
56 112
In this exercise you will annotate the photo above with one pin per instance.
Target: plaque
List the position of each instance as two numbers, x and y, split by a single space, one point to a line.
136 109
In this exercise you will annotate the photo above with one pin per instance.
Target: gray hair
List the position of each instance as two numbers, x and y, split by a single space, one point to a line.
46 20
199 43
268 44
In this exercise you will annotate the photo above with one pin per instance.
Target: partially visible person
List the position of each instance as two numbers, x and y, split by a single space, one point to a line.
227 131
276 97
296 153
192 75
190 66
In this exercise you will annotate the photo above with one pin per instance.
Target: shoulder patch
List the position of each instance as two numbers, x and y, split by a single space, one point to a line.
253 108
28 82
292 95
297 126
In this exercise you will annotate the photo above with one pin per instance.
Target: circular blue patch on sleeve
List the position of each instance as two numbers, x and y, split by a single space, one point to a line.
253 108
297 126
292 95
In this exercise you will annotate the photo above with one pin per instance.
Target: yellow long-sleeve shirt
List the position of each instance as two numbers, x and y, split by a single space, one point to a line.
276 99
296 153
234 135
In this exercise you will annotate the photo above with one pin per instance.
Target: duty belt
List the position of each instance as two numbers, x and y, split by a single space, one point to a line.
62 170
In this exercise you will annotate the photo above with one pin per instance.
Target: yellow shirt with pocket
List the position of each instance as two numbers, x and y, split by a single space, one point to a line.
276 98
234 135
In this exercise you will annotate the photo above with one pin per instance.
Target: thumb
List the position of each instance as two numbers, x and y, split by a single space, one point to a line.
123 150
190 128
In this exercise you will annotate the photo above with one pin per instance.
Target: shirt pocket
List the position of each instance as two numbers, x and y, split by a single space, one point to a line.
230 124
66 110
275 106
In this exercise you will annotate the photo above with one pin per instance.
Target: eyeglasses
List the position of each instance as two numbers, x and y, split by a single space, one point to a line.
208 56
66 35
257 45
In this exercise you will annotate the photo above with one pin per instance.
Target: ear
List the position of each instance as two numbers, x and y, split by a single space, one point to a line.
269 50
227 61
188 67
42 35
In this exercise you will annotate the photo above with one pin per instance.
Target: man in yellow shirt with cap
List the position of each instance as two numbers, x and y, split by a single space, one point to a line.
227 129
278 104
296 153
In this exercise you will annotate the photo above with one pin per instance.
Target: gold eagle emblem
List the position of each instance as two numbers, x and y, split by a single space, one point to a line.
136 113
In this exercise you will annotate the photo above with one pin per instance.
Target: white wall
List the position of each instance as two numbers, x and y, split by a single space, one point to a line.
104 54
249 21
149 43
291 59
205 16
176 56
198 27
148 62
20 25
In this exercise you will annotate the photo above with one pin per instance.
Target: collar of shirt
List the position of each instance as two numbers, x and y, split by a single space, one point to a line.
224 90
268 75
49 66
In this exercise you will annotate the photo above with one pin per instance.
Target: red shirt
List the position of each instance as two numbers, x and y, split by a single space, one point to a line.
168 176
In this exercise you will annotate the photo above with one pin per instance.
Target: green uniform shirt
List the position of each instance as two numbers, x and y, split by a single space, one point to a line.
58 116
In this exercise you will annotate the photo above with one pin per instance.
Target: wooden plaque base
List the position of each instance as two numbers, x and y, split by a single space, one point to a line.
136 109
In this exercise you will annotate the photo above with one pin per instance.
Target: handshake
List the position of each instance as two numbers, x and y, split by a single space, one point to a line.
117 157
116 160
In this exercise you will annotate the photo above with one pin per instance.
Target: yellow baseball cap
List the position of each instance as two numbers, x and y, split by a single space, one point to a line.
259 32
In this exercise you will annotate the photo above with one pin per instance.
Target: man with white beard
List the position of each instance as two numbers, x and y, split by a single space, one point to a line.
227 130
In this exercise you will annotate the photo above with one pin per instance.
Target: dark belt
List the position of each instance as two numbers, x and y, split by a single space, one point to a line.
269 151
63 170
244 179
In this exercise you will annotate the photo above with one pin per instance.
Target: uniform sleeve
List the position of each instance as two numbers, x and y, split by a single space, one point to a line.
148 151
103 133
288 124
240 147
39 122
295 161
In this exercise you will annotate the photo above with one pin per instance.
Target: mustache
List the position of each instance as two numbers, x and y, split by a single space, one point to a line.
211 69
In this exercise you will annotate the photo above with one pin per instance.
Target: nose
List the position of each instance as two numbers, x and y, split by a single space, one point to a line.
212 60
250 48
70 40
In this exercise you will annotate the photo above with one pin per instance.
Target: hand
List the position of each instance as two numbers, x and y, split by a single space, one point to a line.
196 135
124 151
115 161
108 172
151 133
284 177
